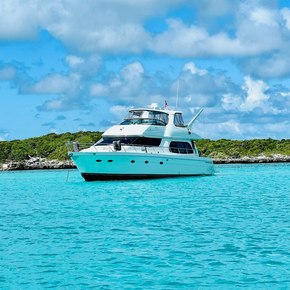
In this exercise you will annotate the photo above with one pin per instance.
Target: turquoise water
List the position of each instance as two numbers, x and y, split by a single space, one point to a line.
227 231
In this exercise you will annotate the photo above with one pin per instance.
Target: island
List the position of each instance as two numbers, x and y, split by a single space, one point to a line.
50 151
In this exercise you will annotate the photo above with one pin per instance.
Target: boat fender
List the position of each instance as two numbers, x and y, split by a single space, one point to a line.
117 145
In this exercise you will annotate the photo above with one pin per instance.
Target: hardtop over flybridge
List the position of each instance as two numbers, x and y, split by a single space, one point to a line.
149 143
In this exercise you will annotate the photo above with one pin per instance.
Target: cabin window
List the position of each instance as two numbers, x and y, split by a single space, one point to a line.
142 141
146 117
146 141
178 120
180 147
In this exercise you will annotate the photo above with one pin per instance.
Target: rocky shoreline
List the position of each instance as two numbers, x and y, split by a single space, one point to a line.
36 163
248 160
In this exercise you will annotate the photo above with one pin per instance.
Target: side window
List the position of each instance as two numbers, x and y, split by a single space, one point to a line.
164 118
146 141
178 120
161 118
180 147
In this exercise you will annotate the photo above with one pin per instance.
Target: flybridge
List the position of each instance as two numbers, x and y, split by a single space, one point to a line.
158 117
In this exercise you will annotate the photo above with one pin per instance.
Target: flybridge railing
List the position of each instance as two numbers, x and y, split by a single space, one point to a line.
77 146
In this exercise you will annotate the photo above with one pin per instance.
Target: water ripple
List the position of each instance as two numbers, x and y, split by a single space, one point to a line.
228 231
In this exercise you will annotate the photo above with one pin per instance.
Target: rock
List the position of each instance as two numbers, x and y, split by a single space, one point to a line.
257 159
37 163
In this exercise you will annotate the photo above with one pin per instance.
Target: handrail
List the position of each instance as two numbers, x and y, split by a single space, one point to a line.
138 148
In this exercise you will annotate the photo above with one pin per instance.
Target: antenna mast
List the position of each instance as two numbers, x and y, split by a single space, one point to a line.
177 93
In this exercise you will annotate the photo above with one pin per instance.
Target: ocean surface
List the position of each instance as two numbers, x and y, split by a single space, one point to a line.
227 231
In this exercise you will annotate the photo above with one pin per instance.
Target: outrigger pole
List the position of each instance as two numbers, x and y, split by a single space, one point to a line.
189 125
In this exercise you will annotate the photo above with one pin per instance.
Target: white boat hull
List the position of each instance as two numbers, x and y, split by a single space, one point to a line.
124 165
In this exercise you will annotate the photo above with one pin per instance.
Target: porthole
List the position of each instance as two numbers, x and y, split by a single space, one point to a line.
98 160
146 161
132 161
110 160
161 162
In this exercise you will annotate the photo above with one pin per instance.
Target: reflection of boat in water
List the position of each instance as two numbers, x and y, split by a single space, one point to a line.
149 143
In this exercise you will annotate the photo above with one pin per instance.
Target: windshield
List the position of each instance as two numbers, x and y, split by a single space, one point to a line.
141 141
146 117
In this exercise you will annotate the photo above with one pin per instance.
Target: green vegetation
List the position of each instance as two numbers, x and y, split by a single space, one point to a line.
53 146
224 148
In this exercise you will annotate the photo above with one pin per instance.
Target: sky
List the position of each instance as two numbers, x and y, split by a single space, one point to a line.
72 65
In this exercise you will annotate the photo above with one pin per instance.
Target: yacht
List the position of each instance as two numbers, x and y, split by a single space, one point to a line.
149 143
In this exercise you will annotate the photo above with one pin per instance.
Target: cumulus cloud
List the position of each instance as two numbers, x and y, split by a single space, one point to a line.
190 66
119 111
256 95
85 67
189 41
19 19
285 12
267 66
102 27
263 16
70 90
132 85
51 84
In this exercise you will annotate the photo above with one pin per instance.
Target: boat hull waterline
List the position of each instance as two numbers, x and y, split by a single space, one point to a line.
123 166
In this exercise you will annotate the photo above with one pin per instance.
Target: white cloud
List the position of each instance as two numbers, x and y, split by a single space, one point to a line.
74 61
190 66
52 84
19 19
269 66
97 26
98 90
256 97
132 71
278 128
119 111
86 67
231 109
115 26
263 16
188 41
53 105
285 12
231 102
132 85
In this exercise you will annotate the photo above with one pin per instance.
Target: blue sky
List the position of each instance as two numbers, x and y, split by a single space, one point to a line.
70 66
